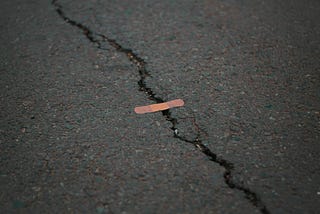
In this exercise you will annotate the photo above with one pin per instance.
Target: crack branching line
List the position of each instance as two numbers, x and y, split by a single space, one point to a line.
98 39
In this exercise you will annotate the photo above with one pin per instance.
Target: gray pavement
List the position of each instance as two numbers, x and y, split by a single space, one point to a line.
248 135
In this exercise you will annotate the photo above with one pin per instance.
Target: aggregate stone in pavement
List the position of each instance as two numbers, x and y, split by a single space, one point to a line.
247 71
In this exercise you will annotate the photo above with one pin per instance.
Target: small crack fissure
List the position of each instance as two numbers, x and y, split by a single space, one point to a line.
98 39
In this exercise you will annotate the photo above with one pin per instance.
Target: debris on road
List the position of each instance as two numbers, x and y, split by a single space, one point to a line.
159 106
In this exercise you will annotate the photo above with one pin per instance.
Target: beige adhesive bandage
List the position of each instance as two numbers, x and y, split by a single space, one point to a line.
159 106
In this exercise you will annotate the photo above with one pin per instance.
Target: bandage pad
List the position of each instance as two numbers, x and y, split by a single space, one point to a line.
159 106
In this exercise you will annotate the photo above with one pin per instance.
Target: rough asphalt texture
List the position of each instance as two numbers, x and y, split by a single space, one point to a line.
248 71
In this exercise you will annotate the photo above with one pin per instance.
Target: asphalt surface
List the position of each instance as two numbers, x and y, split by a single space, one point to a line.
246 141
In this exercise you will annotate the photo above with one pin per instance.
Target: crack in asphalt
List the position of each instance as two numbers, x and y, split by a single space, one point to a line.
98 40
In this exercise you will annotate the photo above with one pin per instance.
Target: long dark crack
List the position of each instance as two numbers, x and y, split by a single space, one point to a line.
98 39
